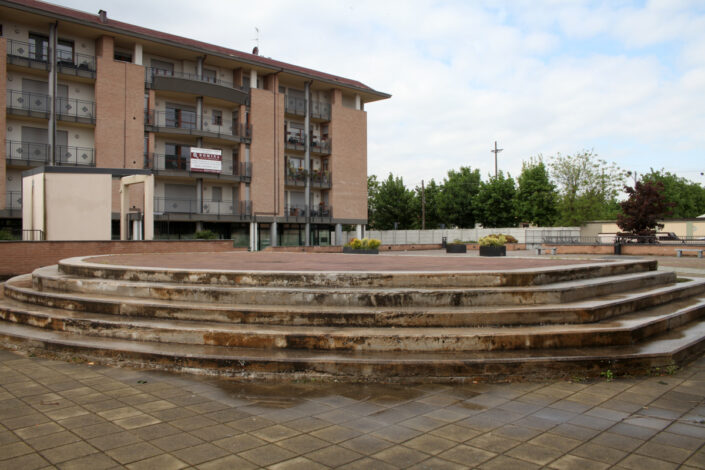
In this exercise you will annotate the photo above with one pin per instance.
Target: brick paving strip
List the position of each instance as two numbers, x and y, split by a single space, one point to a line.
56 414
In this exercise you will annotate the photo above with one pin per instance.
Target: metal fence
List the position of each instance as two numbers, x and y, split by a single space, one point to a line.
165 205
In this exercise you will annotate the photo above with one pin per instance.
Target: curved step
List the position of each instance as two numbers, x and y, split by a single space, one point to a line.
671 349
570 291
627 329
83 267
584 311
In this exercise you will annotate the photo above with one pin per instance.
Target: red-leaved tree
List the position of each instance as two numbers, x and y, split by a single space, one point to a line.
643 209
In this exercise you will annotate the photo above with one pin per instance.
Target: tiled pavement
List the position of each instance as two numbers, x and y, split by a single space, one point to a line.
55 414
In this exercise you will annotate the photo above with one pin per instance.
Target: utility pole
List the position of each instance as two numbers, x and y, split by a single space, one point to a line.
495 151
423 207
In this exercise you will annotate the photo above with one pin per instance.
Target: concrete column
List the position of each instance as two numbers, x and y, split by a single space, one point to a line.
199 113
52 93
307 162
199 68
199 195
253 78
358 102
339 234
253 236
149 208
359 232
137 54
273 234
124 204
199 225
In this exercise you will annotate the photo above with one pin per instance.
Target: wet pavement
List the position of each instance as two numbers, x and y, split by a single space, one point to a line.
56 414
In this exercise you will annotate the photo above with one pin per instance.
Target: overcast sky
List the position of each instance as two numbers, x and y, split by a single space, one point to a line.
624 78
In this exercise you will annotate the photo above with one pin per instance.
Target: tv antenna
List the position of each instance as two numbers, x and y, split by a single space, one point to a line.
255 51
495 151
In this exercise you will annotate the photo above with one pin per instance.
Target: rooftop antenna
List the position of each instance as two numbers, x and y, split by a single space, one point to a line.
495 151
255 51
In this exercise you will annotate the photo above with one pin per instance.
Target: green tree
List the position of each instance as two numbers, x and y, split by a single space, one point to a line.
393 203
537 199
495 202
372 190
587 186
644 207
456 202
687 197
432 191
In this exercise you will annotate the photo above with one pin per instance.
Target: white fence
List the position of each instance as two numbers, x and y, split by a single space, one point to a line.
530 236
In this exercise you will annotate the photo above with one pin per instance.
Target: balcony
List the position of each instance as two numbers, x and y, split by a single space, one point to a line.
174 163
296 143
36 154
320 147
185 123
322 212
29 55
24 103
297 177
297 107
320 111
13 201
181 82
218 209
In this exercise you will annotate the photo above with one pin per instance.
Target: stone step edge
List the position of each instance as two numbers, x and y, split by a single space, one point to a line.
577 312
670 350
82 267
639 326
556 293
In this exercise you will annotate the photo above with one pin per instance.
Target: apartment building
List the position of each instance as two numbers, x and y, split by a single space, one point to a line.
240 144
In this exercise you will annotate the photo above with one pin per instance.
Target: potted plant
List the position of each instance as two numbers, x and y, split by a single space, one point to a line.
363 247
456 246
493 245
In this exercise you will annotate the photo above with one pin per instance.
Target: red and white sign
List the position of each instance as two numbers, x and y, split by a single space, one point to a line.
206 160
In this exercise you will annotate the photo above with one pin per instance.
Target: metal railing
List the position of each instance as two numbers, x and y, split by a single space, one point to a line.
665 238
151 72
13 200
188 122
298 143
156 161
297 107
319 211
297 177
321 147
26 50
63 154
37 103
191 206
75 60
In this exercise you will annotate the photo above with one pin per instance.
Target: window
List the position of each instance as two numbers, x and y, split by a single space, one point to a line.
210 75
245 81
64 52
217 117
38 47
177 156
122 55
162 68
217 194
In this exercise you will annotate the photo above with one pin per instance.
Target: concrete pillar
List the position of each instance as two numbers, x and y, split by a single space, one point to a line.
358 102
199 113
273 234
52 93
124 204
307 162
359 232
137 54
254 242
199 195
253 78
339 234
199 68
199 225
149 208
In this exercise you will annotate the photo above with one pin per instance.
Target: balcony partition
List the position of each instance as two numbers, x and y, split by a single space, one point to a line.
36 56
162 162
237 209
13 200
321 211
38 105
38 153
185 122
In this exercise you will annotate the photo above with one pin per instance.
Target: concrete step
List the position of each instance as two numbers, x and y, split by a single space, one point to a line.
669 349
624 330
85 268
582 311
570 291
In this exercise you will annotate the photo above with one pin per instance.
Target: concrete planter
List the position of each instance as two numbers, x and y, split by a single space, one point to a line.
493 251
348 250
456 248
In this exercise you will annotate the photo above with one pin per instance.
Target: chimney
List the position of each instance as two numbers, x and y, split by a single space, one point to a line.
103 16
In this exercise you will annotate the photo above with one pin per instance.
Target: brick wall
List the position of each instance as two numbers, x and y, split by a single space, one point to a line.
24 257
629 249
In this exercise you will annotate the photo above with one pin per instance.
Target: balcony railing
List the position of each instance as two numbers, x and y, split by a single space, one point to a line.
187 122
297 177
296 142
25 50
320 147
74 63
160 162
321 211
191 206
151 72
38 105
320 110
64 155
13 200
297 107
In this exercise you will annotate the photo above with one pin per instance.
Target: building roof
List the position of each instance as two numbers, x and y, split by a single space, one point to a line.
94 20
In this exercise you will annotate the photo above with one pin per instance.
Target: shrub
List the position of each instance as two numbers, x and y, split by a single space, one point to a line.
493 240
364 244
374 243
205 235
5 234
509 238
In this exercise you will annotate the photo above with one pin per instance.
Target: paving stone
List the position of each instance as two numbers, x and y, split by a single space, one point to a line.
503 462
267 455
230 462
176 441
162 462
199 454
113 440
590 450
24 462
493 443
640 462
134 452
400 456
66 452
303 444
89 462
52 440
333 456
571 462
298 463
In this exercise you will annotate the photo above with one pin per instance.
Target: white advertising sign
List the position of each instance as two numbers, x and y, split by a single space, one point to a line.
206 160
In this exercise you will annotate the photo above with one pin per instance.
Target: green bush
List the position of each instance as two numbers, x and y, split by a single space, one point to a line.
205 235
509 238
374 243
364 244
493 240
5 234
